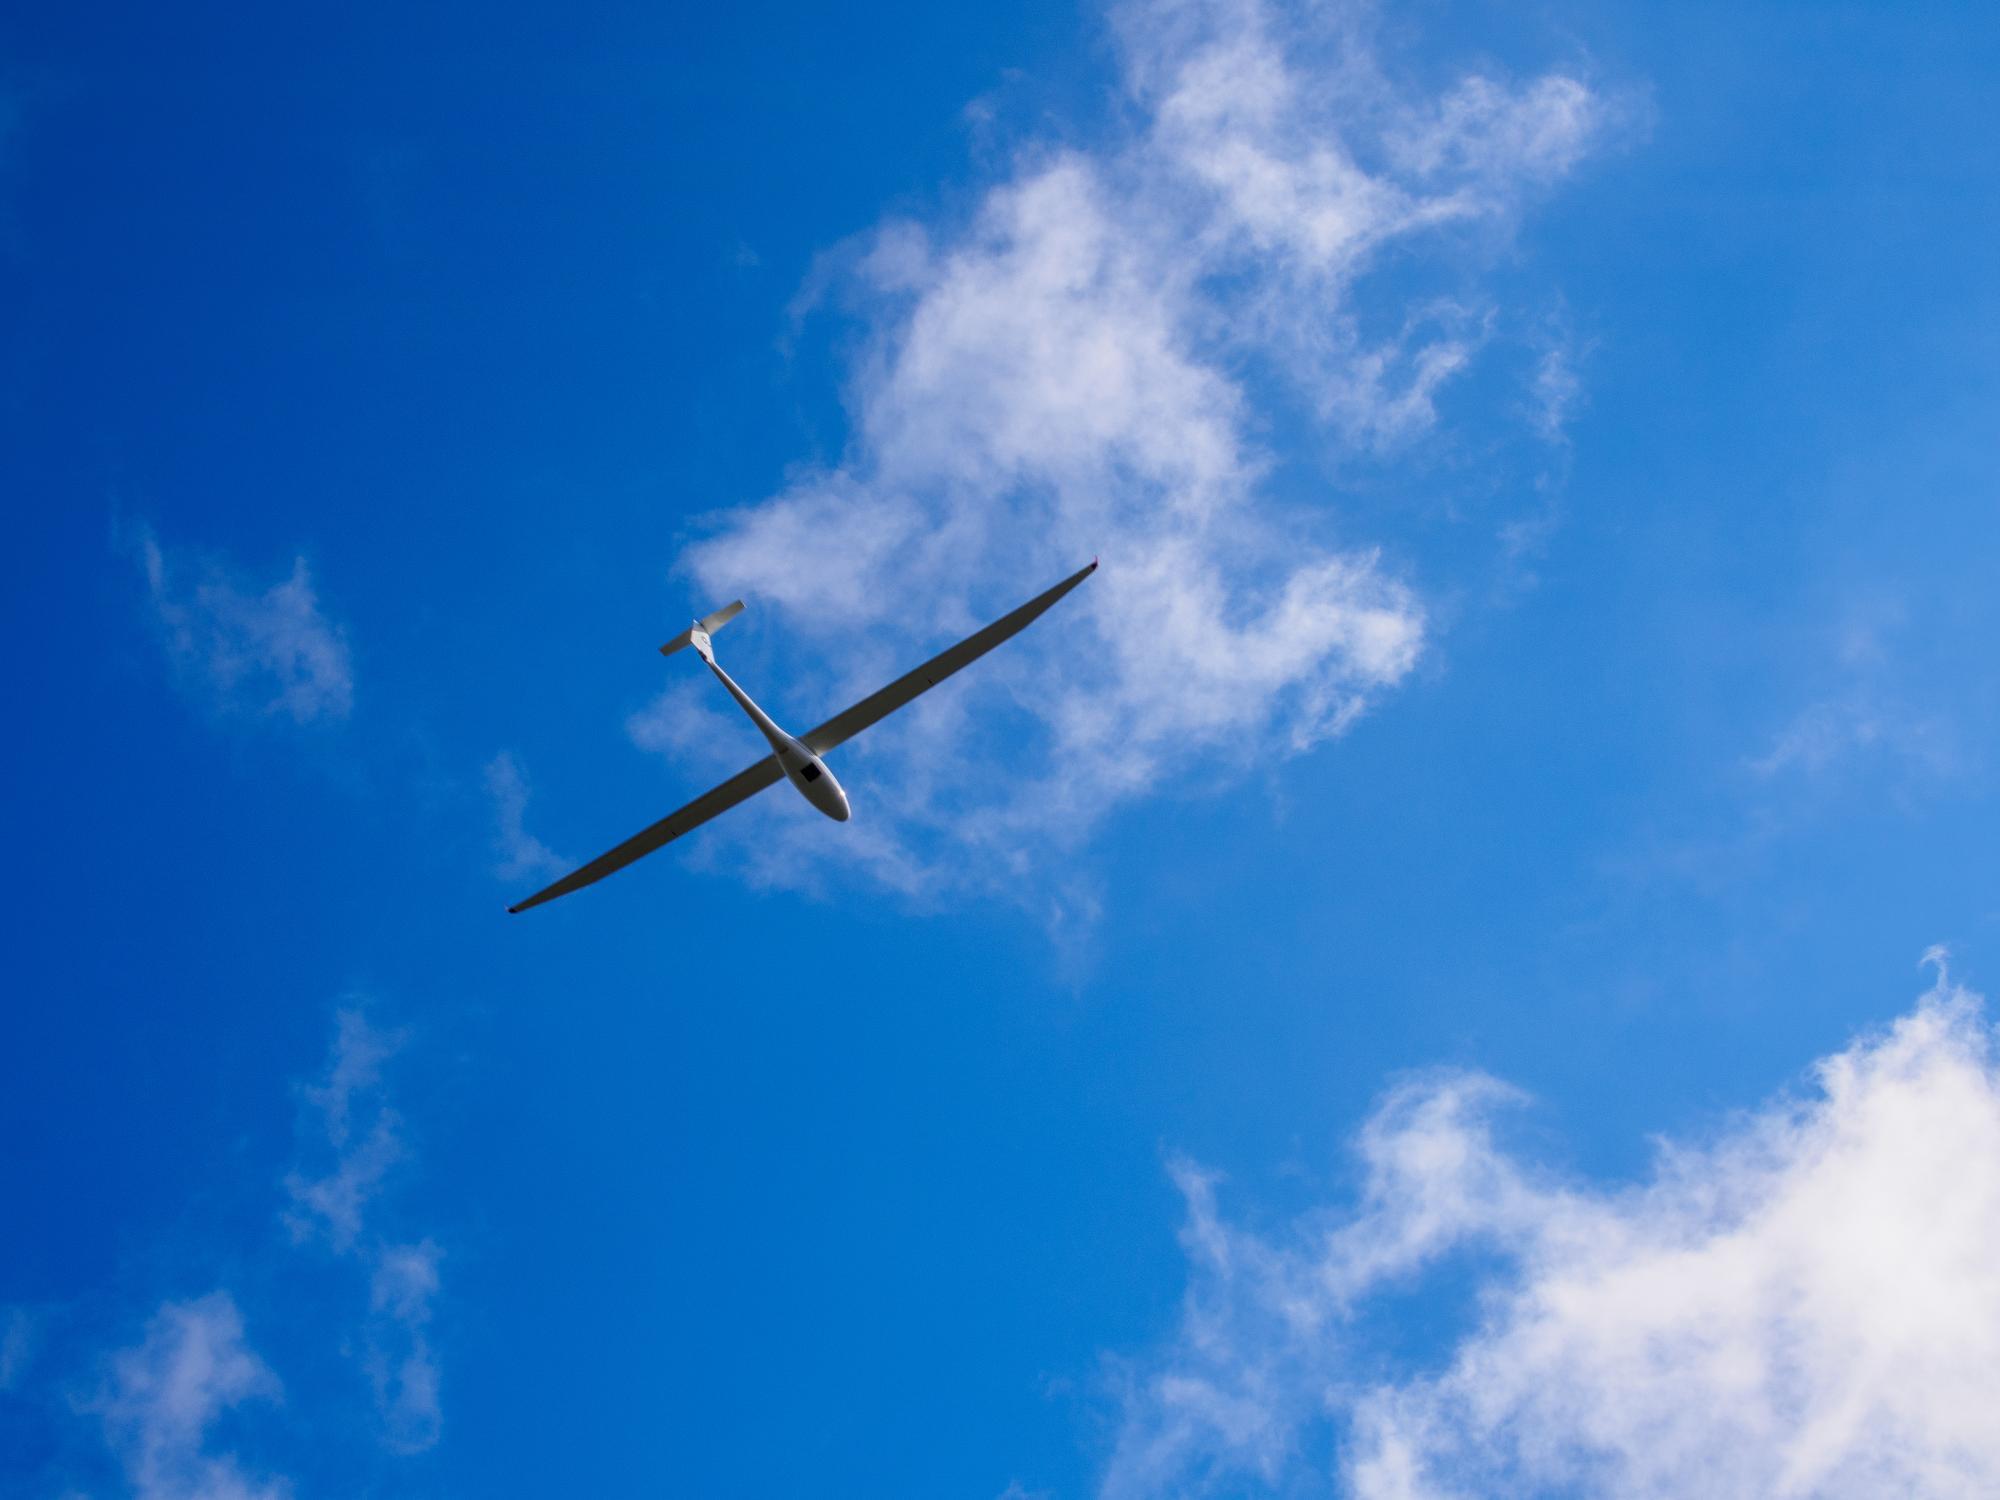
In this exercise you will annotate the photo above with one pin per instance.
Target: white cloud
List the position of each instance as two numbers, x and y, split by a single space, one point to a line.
1556 390
1487 134
1807 1304
165 1394
1865 711
356 1136
401 1363
272 653
519 853
1065 373
361 1150
1854 724
19 1336
164 1398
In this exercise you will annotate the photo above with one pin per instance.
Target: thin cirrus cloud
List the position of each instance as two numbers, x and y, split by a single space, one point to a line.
1858 724
268 652
17 1345
517 853
163 1396
1804 1305
350 1142
402 1366
1860 712
170 1403
1064 373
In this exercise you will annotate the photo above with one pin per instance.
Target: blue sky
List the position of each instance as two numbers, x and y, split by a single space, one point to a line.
1451 966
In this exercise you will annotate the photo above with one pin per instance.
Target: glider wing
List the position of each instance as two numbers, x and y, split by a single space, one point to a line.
744 784
840 728
846 724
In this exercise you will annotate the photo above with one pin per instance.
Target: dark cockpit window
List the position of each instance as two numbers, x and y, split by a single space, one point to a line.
810 773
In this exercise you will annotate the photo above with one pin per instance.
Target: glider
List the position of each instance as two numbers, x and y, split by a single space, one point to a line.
797 759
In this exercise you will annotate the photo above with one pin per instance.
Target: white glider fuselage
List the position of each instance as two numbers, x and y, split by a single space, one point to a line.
802 768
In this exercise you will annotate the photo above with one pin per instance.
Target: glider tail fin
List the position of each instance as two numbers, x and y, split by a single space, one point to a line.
697 634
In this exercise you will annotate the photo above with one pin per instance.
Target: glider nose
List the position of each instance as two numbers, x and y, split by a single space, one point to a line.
836 806
828 800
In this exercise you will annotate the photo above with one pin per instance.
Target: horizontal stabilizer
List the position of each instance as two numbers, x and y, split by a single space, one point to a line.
707 625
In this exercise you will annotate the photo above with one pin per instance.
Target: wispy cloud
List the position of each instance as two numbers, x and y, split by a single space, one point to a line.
357 1139
1065 373
1830 731
163 1396
272 653
166 1403
353 1139
518 854
1556 390
18 1338
1804 1305
1864 709
401 1363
